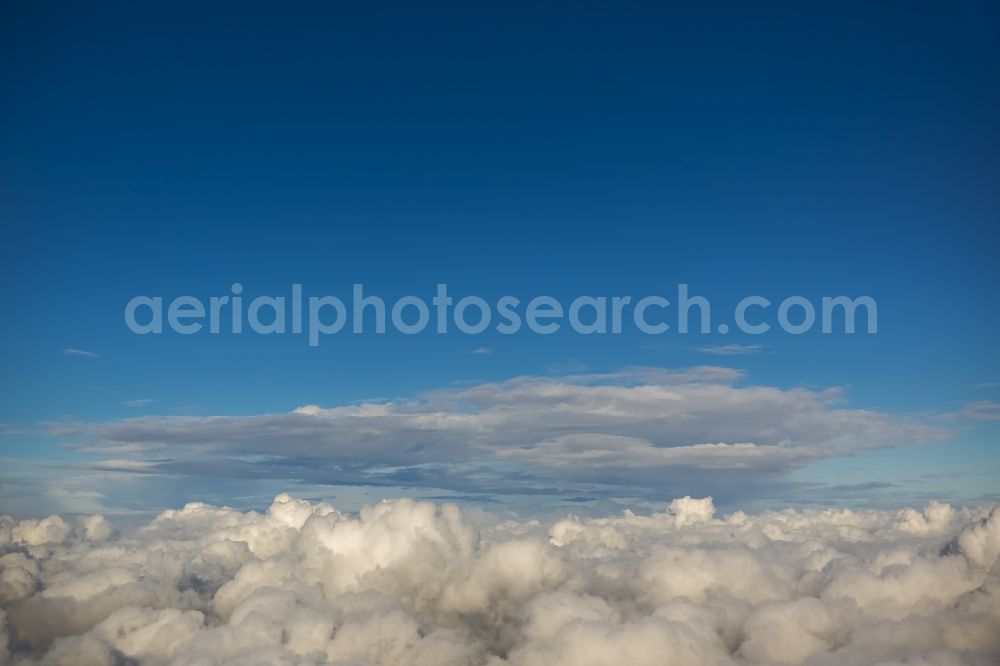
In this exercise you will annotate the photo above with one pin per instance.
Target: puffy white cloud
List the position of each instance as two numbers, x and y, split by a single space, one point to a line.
39 532
980 543
787 632
416 583
18 575
96 528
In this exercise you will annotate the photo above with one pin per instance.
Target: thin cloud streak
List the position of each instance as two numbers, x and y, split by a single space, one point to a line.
731 350
70 351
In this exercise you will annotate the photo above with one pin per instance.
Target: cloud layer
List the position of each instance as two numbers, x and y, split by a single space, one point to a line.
416 583
582 433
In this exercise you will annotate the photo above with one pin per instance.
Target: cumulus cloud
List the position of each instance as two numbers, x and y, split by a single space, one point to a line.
417 583
582 433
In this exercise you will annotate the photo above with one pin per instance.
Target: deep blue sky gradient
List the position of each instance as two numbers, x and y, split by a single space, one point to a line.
505 148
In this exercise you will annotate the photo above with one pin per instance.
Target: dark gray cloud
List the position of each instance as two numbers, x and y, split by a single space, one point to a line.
640 432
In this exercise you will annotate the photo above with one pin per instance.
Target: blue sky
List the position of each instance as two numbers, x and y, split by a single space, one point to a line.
515 149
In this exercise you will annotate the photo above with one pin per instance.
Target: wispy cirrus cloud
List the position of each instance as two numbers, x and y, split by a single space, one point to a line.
481 351
141 402
731 350
981 410
71 351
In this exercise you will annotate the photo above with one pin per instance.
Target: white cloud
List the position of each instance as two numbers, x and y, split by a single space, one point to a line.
731 350
417 583
123 464
982 410
141 402
70 351
482 351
